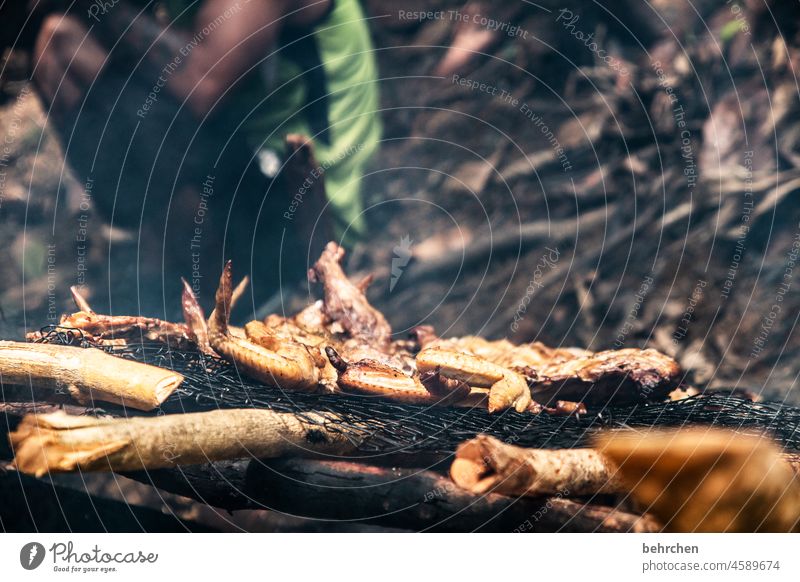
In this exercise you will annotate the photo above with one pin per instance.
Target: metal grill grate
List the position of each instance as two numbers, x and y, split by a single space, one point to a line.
381 426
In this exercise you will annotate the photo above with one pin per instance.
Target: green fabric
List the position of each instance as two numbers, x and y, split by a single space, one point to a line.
346 52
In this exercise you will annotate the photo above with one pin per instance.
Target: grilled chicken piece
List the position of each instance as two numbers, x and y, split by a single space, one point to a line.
502 352
507 388
615 376
195 319
345 302
105 330
312 319
377 378
118 329
573 374
262 356
505 353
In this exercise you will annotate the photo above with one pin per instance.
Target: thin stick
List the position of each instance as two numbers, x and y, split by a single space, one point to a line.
80 300
86 374
239 290
486 464
60 443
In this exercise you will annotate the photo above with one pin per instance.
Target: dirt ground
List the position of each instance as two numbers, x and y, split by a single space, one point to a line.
641 199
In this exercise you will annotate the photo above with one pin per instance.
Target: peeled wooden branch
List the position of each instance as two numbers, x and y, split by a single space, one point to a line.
60 443
86 374
708 480
486 464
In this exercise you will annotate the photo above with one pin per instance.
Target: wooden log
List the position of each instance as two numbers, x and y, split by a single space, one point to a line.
32 505
59 443
87 375
18 410
486 464
408 498
12 413
418 500
707 479
223 484
220 484
391 497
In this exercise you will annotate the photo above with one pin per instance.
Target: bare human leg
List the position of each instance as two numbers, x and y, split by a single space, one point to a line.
67 60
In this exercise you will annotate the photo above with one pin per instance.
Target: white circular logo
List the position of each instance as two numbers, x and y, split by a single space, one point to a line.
31 555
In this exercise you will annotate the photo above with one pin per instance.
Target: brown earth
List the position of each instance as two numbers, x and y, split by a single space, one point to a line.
621 227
